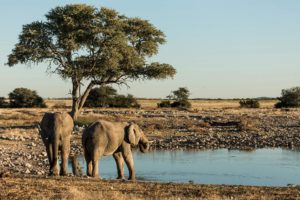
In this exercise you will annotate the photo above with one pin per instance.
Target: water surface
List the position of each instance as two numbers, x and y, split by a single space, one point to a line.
269 167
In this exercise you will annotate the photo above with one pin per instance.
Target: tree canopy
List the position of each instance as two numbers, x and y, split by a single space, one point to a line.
181 94
93 46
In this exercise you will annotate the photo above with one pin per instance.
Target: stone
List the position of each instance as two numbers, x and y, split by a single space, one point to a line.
28 165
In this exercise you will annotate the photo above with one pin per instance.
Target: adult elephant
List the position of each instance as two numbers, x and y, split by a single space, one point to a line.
56 129
104 138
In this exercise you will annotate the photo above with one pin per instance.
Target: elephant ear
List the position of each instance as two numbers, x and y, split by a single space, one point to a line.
134 134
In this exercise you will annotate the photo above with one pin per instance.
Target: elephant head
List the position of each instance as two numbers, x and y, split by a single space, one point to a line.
136 136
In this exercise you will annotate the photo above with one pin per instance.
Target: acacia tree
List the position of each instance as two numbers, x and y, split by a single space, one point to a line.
92 46
182 94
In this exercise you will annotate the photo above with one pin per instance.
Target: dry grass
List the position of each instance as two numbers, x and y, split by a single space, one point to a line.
54 102
87 188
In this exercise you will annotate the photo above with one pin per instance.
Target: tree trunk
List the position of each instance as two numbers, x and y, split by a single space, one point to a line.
75 110
77 100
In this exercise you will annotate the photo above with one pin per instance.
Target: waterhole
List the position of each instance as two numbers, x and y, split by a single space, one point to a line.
268 167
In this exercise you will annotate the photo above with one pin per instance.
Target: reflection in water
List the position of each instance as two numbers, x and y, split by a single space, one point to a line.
272 167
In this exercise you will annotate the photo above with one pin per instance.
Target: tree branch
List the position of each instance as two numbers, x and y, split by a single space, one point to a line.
85 95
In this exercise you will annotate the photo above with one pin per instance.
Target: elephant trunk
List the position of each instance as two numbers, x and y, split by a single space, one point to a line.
144 145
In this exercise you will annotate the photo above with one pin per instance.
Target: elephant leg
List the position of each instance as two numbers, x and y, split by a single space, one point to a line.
65 151
49 155
97 154
120 164
127 154
54 165
89 166
95 172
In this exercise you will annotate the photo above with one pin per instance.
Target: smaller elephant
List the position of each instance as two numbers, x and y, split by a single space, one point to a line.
104 138
56 129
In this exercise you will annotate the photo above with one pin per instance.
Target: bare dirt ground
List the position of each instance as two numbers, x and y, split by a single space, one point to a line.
209 124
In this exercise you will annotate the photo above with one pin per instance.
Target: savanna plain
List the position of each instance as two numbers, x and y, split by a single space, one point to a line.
209 124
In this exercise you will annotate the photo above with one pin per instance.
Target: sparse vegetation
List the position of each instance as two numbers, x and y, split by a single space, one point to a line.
249 103
290 98
25 98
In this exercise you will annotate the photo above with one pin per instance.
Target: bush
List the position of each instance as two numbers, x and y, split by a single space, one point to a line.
107 96
25 98
3 103
164 104
122 101
181 104
290 98
100 97
249 103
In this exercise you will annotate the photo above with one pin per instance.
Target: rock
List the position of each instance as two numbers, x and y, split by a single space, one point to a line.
33 144
27 171
40 172
28 165
5 174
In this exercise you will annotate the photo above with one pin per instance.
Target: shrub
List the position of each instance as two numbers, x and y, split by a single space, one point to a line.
290 98
3 103
249 103
122 101
25 98
164 104
181 104
107 96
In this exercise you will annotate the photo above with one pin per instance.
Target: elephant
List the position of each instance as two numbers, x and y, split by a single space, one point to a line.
56 130
103 138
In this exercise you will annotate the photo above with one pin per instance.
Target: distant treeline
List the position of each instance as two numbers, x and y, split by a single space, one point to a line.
213 99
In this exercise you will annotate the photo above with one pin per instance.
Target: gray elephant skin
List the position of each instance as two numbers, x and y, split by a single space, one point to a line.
104 138
56 130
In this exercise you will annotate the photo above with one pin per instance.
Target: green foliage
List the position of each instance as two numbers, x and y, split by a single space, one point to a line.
107 96
25 98
101 97
122 101
290 98
249 103
3 103
164 104
181 104
94 46
181 94
180 97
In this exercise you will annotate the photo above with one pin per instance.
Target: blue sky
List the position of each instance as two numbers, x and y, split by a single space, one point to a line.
220 48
